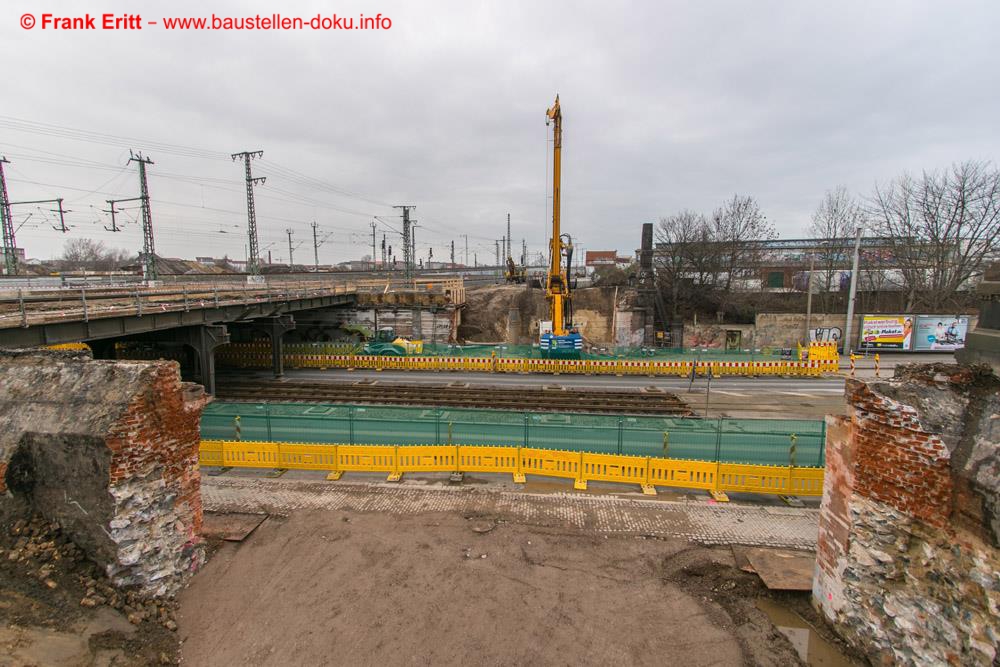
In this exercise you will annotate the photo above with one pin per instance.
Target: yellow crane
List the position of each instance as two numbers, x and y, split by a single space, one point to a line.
563 340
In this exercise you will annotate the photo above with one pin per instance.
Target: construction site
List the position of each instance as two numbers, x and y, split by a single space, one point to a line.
710 446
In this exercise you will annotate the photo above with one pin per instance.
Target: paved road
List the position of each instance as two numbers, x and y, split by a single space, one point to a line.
627 512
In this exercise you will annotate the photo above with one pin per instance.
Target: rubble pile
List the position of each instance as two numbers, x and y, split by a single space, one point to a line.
40 549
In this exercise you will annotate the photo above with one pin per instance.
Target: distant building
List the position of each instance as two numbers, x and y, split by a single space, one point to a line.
593 259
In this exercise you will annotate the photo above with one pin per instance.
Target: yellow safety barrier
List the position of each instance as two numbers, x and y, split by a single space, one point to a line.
581 467
254 355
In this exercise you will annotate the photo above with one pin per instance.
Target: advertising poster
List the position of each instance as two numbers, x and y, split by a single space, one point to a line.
886 332
940 332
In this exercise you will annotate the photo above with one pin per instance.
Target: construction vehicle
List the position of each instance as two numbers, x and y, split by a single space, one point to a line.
514 273
386 343
558 337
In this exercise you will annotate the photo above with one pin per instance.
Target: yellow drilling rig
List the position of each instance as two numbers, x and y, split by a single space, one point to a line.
562 340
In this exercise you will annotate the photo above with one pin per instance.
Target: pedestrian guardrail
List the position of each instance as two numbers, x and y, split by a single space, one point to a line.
581 467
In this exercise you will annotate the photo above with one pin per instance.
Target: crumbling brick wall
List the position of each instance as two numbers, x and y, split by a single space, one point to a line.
109 450
907 564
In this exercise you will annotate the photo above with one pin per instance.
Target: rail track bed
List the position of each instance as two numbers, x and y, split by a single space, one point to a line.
651 401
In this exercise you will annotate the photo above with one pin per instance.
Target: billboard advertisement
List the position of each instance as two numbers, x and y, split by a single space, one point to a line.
940 332
886 332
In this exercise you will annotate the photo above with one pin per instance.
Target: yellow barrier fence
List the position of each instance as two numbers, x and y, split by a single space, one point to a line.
581 467
250 355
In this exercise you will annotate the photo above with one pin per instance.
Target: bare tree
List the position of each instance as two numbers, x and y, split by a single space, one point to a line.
735 227
688 258
93 255
943 228
835 223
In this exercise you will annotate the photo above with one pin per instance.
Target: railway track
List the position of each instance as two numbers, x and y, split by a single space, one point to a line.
541 399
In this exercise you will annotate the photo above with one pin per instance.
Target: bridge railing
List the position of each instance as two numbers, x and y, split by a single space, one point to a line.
24 308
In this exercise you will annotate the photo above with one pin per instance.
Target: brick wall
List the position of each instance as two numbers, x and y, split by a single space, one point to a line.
896 461
907 566
109 450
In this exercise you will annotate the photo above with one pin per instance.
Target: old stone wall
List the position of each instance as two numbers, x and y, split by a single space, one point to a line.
908 568
109 450
430 324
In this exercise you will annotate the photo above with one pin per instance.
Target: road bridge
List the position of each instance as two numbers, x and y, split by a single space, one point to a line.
195 316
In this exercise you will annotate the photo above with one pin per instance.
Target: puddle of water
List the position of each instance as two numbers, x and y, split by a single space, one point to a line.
43 646
811 647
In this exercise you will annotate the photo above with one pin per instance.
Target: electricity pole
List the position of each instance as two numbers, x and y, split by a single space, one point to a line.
373 245
853 291
413 240
111 209
407 248
315 248
253 256
497 243
509 251
148 247
384 258
453 253
289 232
809 297
466 249
9 244
524 253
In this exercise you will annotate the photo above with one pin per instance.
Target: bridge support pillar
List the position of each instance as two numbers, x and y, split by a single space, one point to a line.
276 327
204 340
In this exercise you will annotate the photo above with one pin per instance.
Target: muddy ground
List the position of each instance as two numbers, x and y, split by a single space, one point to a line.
44 621
439 588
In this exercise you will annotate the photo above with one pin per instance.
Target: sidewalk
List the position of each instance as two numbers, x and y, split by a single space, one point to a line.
701 521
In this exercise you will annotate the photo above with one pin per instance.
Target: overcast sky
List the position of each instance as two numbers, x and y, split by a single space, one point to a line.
667 105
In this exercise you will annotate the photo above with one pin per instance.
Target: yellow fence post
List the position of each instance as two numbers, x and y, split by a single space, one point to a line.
647 486
518 473
580 483
336 473
717 493
395 475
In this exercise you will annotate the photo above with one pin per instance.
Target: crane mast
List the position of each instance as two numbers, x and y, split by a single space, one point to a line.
564 340
557 285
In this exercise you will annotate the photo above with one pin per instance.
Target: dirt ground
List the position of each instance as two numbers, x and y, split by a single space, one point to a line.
341 587
43 622
484 318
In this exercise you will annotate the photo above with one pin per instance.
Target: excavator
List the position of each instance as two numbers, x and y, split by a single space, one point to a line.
514 273
558 337
386 343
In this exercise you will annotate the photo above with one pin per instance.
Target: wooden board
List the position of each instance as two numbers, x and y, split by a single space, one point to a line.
233 527
783 570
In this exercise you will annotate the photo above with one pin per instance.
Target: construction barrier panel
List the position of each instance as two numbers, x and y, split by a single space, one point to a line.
581 467
750 441
256 355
